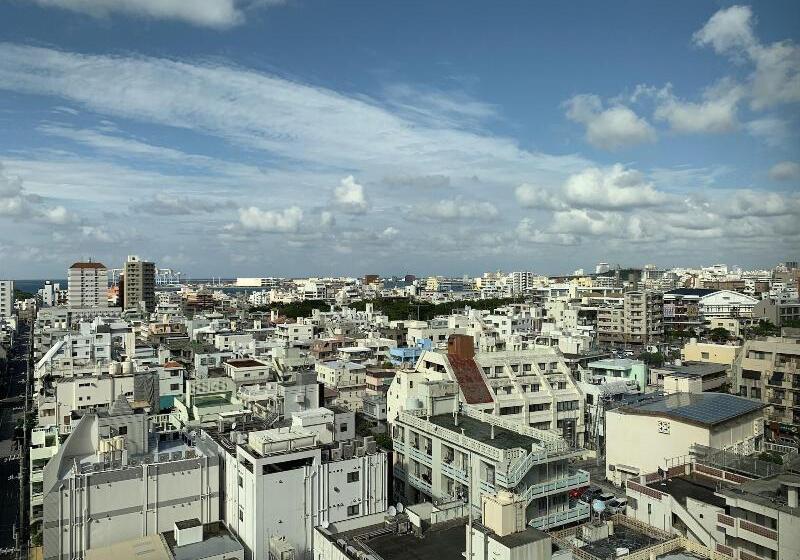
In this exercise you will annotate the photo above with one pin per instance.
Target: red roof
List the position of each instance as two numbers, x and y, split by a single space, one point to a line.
88 265
469 378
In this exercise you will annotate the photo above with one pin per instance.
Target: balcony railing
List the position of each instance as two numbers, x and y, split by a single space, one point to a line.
726 520
577 513
451 470
420 484
757 529
574 480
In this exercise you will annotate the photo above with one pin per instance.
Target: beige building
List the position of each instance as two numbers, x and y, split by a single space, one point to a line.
644 437
768 370
694 351
88 285
638 321
140 284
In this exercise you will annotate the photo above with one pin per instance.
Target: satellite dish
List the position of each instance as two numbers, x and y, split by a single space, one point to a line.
391 511
599 506
400 507
326 524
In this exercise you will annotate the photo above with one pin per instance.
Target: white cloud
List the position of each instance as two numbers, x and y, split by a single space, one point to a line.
776 75
715 114
785 171
390 232
759 204
204 13
612 188
271 221
608 128
534 196
17 203
456 209
296 123
772 131
349 196
729 29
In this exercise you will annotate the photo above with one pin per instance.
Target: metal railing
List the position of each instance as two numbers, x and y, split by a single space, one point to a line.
577 479
578 512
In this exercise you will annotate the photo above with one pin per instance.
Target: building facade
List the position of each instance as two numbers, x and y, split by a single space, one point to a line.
87 285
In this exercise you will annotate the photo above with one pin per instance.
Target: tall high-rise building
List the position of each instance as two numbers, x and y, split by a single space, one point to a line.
6 298
140 284
88 284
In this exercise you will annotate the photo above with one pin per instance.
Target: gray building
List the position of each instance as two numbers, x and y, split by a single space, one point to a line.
139 284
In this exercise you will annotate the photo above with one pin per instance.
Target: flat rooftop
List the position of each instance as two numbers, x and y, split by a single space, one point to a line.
683 487
481 431
694 369
438 544
217 542
623 537
614 363
704 409
245 363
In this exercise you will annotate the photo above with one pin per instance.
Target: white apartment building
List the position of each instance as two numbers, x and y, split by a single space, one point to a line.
6 298
112 481
532 387
284 482
348 379
87 285
447 456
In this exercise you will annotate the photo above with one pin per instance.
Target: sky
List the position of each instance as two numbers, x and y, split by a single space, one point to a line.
295 137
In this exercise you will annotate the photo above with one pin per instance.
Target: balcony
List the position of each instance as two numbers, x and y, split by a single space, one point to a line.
399 446
578 512
451 470
749 531
487 487
420 484
575 479
420 456
399 472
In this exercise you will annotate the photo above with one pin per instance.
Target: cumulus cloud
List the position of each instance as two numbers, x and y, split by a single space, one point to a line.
608 128
17 203
716 113
456 209
349 196
534 196
772 131
785 171
271 221
171 204
614 187
761 204
204 13
776 75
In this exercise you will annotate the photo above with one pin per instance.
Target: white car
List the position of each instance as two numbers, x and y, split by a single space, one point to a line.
617 505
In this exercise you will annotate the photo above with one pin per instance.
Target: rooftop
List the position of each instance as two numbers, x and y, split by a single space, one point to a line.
694 369
87 265
768 492
690 486
614 363
217 542
481 431
704 409
245 362
439 544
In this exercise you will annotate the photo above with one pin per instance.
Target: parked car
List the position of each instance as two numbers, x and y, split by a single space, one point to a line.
577 492
590 493
617 505
605 497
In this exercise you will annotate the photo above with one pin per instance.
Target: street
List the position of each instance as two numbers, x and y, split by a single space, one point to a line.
12 392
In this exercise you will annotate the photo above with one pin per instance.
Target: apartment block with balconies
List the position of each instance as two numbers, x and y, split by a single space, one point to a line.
761 519
769 370
466 455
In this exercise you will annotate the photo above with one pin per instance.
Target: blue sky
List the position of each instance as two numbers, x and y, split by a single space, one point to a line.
294 137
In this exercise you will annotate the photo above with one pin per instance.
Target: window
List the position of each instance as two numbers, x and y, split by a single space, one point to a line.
352 476
704 355
755 393
241 481
174 387
353 510
241 515
343 427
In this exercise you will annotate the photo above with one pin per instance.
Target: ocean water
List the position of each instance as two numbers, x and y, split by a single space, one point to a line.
33 286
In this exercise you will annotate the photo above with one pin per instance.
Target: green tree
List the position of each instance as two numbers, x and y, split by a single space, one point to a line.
719 334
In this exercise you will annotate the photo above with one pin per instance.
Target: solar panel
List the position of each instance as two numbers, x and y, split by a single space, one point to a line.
708 408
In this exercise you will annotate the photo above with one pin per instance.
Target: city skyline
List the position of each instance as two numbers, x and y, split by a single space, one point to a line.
312 139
